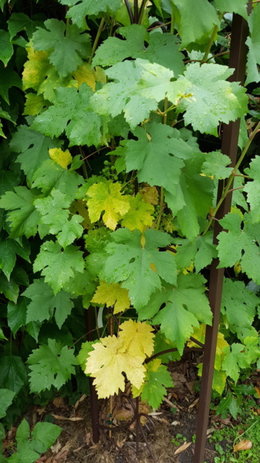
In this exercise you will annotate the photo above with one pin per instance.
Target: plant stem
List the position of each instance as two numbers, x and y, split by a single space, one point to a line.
136 11
95 44
172 22
233 174
161 208
141 11
129 10
206 54
240 435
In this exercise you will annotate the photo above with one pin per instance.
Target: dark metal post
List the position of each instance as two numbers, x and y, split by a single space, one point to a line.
229 147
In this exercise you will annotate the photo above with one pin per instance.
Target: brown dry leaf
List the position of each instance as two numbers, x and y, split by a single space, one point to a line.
66 418
257 389
242 445
58 402
182 448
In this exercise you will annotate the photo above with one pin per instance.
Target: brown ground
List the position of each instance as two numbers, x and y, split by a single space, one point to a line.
151 442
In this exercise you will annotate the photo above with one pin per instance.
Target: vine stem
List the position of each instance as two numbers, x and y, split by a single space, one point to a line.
206 54
95 44
227 189
129 10
141 11
245 432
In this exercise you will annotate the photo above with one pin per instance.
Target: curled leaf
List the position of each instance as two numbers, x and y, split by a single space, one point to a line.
242 445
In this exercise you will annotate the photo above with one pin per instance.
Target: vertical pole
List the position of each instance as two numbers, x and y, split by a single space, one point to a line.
229 147
94 405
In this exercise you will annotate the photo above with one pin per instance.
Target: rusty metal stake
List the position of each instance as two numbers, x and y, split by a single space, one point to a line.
229 147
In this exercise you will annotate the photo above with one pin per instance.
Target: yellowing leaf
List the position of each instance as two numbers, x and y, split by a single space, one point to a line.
139 216
114 355
79 207
35 68
62 158
150 194
112 295
138 338
85 74
107 197
242 445
108 361
33 105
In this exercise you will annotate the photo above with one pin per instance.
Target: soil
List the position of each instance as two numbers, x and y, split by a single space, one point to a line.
152 441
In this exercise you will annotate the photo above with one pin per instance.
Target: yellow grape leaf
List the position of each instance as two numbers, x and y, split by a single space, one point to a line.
107 362
62 158
222 344
139 216
35 68
107 197
242 445
138 337
112 295
150 194
33 104
85 74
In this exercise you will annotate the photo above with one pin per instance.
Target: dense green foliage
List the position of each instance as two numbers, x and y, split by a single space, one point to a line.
109 164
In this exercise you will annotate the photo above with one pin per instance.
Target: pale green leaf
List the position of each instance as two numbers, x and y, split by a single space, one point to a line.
232 6
204 86
216 164
137 84
195 22
253 43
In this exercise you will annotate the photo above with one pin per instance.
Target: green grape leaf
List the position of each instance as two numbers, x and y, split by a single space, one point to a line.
21 216
195 24
44 435
216 164
137 84
13 373
44 303
66 45
6 48
32 149
157 155
204 86
162 48
56 216
50 365
9 288
8 251
185 306
50 175
253 43
232 6
134 259
240 245
57 265
85 349
20 22
253 189
199 252
139 216
79 9
16 315
6 398
156 380
9 79
73 113
239 306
